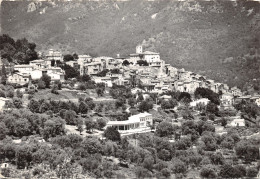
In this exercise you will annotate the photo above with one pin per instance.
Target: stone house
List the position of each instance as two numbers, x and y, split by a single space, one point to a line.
19 78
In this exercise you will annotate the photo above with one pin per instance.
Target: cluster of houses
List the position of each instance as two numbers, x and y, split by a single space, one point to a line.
155 77
35 69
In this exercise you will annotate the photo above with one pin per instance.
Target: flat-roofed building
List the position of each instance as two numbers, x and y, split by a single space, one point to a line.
135 124
23 68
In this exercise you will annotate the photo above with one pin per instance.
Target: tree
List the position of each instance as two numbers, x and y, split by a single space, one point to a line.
125 63
228 143
68 57
207 93
101 123
148 163
53 127
145 106
90 103
75 56
34 106
23 156
141 172
84 78
3 130
6 172
142 63
54 89
178 166
100 91
164 155
212 108
252 172
184 97
70 72
90 124
210 142
112 134
208 172
240 171
69 117
166 172
83 107
164 129
91 145
17 102
46 79
80 124
22 127
10 93
132 102
19 94
227 171
223 122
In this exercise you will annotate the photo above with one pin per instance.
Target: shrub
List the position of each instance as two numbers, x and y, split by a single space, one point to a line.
166 172
41 84
10 93
19 94
38 171
208 172
6 172
251 172
2 93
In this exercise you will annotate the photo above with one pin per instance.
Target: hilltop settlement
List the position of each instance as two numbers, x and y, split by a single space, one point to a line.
83 116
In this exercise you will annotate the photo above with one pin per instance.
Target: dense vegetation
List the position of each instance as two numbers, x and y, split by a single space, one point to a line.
20 51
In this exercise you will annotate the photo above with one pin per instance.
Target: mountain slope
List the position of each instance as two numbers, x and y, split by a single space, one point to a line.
212 38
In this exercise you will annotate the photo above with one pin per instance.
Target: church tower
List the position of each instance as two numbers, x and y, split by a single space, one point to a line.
139 49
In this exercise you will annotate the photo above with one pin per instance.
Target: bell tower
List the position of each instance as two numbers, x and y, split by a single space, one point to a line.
139 49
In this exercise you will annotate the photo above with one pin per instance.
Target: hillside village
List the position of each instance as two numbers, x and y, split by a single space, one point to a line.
123 117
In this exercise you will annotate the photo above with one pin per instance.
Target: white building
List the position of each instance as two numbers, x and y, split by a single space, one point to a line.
84 58
19 78
23 68
237 122
152 58
37 64
135 124
106 80
54 55
203 101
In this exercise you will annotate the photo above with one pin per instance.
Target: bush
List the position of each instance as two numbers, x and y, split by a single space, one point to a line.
30 96
38 171
54 89
101 123
166 172
179 166
10 93
41 84
208 172
2 93
112 134
19 94
251 172
82 87
6 172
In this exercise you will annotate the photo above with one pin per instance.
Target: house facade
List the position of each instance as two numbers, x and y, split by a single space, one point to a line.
23 68
135 124
19 78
